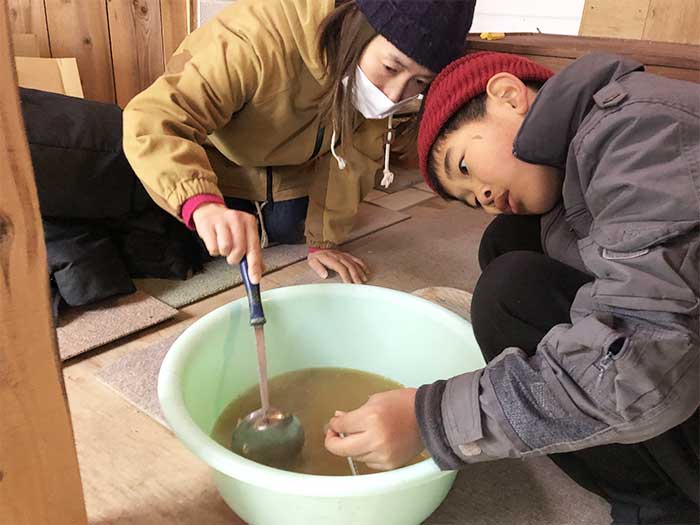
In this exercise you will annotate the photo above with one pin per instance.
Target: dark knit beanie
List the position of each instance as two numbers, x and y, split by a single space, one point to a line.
431 32
460 82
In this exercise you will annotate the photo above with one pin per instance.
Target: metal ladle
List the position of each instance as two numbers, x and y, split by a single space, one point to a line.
267 435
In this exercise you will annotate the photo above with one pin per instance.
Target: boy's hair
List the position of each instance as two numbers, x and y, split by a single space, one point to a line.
472 111
458 95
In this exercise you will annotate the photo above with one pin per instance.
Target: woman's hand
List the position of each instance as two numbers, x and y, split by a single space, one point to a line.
350 268
231 234
383 433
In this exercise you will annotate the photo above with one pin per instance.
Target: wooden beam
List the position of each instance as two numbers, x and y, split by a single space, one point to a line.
679 61
29 16
39 476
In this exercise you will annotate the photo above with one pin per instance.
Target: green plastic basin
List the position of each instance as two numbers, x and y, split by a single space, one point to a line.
378 330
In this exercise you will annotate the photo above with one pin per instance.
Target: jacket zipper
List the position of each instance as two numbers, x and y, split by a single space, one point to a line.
603 366
614 351
317 147
319 142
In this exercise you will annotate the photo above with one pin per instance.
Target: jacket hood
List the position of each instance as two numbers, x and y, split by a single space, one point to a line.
301 16
562 104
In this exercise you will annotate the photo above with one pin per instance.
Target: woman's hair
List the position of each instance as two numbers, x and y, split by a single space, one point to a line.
472 111
343 36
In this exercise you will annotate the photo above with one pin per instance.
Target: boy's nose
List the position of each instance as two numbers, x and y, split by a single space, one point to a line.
485 196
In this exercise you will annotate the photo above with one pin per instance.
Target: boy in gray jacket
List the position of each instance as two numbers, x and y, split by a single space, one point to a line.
587 310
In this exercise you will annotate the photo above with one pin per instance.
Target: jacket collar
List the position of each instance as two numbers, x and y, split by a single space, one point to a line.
562 104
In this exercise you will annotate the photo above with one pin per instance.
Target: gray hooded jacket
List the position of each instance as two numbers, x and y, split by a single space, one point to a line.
626 369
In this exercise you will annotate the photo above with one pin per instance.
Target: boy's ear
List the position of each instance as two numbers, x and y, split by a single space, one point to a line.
506 88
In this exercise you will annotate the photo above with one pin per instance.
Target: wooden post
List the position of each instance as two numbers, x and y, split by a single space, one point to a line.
39 476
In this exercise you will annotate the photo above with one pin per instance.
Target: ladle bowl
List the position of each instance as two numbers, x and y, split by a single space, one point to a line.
271 437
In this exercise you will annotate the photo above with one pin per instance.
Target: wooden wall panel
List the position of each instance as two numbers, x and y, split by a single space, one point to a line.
617 18
78 28
174 18
29 16
39 476
658 20
136 65
673 21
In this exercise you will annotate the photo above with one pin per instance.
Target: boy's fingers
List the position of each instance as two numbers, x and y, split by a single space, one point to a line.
377 466
350 423
348 446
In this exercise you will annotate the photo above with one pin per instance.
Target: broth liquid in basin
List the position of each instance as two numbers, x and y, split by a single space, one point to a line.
313 395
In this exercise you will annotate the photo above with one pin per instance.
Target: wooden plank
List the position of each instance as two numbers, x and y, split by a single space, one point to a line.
137 45
79 29
26 45
651 53
29 16
174 20
39 476
673 21
619 18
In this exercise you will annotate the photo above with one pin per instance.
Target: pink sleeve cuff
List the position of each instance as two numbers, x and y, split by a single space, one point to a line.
195 202
314 250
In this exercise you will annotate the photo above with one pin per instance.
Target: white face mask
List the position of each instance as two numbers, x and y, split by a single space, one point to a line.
371 101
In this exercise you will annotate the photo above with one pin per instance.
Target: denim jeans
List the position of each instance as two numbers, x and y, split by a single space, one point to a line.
284 220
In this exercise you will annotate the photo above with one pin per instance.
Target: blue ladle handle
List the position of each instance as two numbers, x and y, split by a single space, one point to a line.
257 316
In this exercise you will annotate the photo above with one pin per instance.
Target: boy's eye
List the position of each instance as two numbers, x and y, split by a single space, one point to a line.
389 68
463 167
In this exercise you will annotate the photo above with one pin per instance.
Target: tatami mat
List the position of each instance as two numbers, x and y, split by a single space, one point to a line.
135 377
82 329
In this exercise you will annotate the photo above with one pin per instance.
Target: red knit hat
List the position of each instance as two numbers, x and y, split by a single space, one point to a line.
461 81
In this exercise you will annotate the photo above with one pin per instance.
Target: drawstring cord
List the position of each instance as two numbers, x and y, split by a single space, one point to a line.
264 240
340 160
388 174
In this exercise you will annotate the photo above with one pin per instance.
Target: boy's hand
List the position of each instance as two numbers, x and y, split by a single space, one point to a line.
383 433
350 268
231 234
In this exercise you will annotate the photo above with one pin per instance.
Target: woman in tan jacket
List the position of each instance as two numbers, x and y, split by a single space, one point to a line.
251 118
